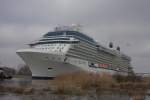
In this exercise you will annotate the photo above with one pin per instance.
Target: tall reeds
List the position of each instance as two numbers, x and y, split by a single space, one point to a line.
81 82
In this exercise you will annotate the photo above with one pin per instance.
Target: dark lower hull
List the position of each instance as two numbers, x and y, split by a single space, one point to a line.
42 78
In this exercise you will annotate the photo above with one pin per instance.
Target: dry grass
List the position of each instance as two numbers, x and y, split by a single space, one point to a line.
146 80
82 82
138 97
130 85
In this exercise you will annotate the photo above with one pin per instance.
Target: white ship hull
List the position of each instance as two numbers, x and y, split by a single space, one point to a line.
46 64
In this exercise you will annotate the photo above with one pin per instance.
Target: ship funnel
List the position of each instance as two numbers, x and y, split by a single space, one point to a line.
110 45
118 48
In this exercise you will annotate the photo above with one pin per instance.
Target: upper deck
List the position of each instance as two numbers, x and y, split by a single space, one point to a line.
68 35
73 35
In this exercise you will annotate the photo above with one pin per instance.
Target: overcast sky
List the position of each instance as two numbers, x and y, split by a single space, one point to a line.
124 22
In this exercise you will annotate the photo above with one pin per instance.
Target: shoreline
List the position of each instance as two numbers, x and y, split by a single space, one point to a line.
80 85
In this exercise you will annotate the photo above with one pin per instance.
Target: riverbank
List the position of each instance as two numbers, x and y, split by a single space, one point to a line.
83 82
82 85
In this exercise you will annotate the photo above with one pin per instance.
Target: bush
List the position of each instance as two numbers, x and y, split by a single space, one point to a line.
129 78
81 82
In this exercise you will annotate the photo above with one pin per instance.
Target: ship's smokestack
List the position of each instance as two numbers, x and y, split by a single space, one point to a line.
118 48
110 45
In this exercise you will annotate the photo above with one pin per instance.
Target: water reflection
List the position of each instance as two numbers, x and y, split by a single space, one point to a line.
54 97
26 81
9 97
147 98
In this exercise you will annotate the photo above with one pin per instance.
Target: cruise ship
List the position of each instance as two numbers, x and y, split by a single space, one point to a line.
66 49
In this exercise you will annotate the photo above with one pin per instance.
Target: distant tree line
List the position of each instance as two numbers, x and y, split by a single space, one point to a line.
23 70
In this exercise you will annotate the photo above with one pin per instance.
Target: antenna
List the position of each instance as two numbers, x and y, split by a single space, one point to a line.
73 27
76 27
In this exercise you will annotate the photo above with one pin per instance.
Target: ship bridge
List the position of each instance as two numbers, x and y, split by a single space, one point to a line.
64 36
68 35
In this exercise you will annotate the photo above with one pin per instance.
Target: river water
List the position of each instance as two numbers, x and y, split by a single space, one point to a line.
56 97
48 96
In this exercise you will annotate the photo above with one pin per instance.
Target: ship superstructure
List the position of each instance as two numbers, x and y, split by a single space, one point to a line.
66 50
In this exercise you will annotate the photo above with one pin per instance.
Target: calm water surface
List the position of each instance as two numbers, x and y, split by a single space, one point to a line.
54 97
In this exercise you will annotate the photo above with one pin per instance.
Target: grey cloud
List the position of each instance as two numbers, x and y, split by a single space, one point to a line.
125 22
85 11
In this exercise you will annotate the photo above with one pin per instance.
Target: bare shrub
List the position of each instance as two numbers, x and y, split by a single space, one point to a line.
80 82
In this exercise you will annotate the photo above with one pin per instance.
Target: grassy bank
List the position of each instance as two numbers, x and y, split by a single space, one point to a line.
83 83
